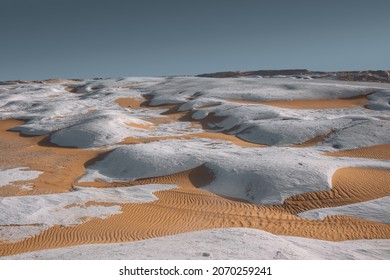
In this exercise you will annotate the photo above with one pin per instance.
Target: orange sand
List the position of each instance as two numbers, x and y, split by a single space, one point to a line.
173 115
312 141
61 166
208 106
351 102
56 81
350 185
188 209
140 125
129 103
211 135
377 151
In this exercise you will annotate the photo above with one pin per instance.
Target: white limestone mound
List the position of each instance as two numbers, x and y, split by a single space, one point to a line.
99 129
377 210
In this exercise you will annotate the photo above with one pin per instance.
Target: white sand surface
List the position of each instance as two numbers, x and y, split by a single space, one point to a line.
374 210
16 174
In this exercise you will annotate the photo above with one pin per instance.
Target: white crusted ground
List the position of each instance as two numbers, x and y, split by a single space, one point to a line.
42 211
374 210
17 174
243 173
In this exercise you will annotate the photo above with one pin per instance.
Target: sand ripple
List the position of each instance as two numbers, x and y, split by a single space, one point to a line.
350 102
377 152
189 208
61 167
350 185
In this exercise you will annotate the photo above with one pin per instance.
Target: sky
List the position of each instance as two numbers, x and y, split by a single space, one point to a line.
43 39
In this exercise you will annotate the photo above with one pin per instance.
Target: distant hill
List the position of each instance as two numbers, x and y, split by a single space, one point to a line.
382 76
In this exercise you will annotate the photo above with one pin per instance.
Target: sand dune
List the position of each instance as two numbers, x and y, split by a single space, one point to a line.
377 151
61 167
230 243
172 114
58 81
68 208
139 125
350 185
129 103
312 141
211 135
187 209
348 102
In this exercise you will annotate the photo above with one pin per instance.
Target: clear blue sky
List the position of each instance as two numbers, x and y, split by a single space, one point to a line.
115 38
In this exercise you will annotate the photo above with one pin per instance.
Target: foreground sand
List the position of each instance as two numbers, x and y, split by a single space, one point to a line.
227 243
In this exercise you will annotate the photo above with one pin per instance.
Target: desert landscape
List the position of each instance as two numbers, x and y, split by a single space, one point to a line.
289 164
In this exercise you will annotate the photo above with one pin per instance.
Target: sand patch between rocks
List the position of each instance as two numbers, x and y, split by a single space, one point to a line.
351 102
377 152
61 167
210 135
131 103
